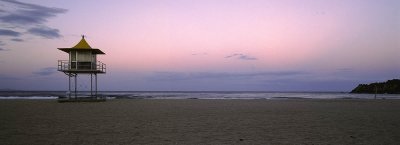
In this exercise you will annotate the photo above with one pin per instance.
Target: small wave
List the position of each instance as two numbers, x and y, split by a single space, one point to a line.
290 98
28 98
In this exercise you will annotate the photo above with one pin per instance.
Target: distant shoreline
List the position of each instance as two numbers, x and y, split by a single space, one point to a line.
195 95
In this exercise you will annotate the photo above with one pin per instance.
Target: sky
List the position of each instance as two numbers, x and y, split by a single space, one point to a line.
203 45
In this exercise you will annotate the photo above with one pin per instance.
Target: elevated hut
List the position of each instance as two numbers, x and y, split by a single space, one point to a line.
82 60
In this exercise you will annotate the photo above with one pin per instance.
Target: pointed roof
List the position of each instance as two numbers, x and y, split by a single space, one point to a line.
82 44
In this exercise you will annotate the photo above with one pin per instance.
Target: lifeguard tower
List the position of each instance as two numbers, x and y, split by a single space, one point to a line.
82 60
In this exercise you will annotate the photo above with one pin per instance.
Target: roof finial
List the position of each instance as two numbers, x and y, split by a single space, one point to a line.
83 36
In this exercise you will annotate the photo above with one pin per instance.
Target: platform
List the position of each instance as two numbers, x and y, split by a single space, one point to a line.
81 99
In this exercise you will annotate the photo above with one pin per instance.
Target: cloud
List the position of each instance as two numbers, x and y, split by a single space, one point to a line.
345 69
17 40
241 56
28 14
6 77
46 71
27 17
45 32
178 76
1 48
200 54
5 32
239 81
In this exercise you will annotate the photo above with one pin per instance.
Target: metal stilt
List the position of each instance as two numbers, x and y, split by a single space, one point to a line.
69 85
75 86
95 75
91 86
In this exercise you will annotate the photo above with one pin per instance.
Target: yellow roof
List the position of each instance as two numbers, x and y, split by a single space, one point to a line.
82 44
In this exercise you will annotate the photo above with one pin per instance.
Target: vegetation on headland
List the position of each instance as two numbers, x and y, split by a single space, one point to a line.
388 87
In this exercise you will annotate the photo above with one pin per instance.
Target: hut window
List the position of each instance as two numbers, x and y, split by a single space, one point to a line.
73 55
85 56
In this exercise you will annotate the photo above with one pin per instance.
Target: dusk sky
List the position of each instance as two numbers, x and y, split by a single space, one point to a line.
204 45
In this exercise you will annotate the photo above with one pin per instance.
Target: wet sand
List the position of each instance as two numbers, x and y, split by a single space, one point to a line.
201 122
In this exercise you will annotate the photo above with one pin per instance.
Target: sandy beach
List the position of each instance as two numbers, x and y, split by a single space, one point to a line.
188 121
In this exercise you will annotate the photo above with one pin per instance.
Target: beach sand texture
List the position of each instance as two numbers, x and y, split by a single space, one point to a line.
201 122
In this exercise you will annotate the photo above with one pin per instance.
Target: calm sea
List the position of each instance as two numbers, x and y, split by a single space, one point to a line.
197 95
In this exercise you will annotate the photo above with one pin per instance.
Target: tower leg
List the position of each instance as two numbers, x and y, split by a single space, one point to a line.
95 75
75 86
91 85
69 86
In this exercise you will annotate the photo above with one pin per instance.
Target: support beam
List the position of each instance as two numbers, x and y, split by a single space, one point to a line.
95 75
91 85
69 85
75 86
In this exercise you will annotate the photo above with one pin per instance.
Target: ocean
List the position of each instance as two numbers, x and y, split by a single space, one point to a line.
197 95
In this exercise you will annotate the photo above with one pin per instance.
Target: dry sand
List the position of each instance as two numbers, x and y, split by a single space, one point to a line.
201 122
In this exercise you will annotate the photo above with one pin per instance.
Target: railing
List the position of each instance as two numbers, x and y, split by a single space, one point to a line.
65 65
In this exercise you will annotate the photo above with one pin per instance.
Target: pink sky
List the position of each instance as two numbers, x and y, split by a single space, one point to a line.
211 44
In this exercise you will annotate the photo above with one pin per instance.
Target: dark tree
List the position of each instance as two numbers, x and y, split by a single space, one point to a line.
388 87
